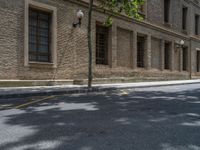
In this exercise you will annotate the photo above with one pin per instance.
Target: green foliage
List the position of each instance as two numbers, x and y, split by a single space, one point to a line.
127 7
108 21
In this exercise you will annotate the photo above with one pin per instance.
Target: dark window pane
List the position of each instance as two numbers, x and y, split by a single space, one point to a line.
43 58
184 18
166 10
44 24
32 57
33 22
197 24
32 47
43 48
44 32
44 40
32 39
32 13
32 30
44 16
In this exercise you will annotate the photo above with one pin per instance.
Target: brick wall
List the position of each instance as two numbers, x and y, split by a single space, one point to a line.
72 52
177 60
124 48
156 56
10 38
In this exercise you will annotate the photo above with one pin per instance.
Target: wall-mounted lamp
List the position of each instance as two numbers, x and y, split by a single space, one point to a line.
79 16
180 44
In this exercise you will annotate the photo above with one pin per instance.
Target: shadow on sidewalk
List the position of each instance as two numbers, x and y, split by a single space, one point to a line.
152 120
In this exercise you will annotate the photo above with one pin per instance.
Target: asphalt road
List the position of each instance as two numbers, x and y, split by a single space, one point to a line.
162 118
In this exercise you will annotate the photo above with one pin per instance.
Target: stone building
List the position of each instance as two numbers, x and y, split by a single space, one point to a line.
38 41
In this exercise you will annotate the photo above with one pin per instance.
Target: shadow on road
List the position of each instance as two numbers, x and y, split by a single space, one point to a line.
148 120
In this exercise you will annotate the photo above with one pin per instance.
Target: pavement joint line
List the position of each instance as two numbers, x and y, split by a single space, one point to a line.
33 102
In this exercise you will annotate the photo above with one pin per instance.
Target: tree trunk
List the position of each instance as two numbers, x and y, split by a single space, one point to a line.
90 45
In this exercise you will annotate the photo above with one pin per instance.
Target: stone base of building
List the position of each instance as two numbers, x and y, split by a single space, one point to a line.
27 83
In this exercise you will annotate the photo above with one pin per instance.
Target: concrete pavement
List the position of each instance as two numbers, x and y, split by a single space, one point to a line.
70 89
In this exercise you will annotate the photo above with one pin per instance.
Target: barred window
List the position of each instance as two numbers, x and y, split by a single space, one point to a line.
101 45
184 59
196 24
39 35
167 56
184 18
166 10
198 61
140 51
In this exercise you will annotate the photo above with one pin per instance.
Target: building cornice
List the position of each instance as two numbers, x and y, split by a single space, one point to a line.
194 38
197 5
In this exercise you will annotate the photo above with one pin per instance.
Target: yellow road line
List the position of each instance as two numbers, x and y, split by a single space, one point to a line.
32 102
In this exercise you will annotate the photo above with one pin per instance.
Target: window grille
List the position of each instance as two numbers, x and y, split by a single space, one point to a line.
167 56
198 61
101 45
184 59
140 51
196 24
39 35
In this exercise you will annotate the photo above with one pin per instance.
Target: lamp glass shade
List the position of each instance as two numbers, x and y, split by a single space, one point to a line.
80 14
182 42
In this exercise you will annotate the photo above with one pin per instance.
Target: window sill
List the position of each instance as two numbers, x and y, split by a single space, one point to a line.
33 64
140 69
184 32
167 70
167 24
102 66
197 35
142 14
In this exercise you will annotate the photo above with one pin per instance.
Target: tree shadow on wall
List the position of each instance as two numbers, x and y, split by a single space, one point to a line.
138 121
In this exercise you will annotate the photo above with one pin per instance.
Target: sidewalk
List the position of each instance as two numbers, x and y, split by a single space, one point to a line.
71 89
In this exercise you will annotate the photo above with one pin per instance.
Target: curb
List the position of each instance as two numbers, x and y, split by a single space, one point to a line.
83 90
